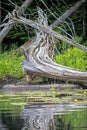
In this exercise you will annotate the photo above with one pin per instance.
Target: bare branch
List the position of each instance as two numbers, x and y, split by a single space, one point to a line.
6 29
24 6
9 26
49 31
68 13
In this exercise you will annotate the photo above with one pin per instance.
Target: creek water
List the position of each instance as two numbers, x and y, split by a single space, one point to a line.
45 117
51 109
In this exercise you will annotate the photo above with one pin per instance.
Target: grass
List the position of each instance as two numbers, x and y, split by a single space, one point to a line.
10 64
74 58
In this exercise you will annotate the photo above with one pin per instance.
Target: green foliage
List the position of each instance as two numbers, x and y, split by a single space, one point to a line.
78 39
21 33
15 37
73 120
10 64
74 58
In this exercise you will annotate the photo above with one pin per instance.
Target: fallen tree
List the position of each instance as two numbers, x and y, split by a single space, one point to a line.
39 52
38 56
9 25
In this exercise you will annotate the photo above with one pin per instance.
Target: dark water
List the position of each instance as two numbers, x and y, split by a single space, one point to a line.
45 117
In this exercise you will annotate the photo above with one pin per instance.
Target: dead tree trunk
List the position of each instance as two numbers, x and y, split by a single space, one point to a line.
68 13
38 60
38 57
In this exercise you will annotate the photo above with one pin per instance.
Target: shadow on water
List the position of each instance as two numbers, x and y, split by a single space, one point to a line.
45 117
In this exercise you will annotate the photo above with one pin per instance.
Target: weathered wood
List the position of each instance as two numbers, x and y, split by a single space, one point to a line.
9 25
68 13
38 58
38 61
26 3
48 30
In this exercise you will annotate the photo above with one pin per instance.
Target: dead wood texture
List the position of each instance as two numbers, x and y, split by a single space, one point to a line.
38 59
38 55
8 26
62 18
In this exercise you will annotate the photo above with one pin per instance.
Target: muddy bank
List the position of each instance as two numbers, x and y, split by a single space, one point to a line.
37 87
22 85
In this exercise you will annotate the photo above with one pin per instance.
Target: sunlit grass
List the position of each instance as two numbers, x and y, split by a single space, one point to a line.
74 58
10 64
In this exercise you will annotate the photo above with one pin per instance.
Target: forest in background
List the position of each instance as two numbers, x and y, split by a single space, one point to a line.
75 25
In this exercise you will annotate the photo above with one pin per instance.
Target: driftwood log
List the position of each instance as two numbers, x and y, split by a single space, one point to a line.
38 62
39 56
39 53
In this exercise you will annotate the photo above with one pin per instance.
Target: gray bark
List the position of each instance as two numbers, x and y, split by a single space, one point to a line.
9 26
38 62
10 23
37 59
24 6
37 56
68 13
48 30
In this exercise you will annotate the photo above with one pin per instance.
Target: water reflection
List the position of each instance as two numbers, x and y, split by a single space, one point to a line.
9 121
46 117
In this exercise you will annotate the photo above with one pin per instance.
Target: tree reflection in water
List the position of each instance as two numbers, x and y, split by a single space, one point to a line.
38 117
46 117
10 121
43 117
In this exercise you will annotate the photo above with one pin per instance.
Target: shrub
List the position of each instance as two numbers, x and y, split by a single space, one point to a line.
10 64
74 58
